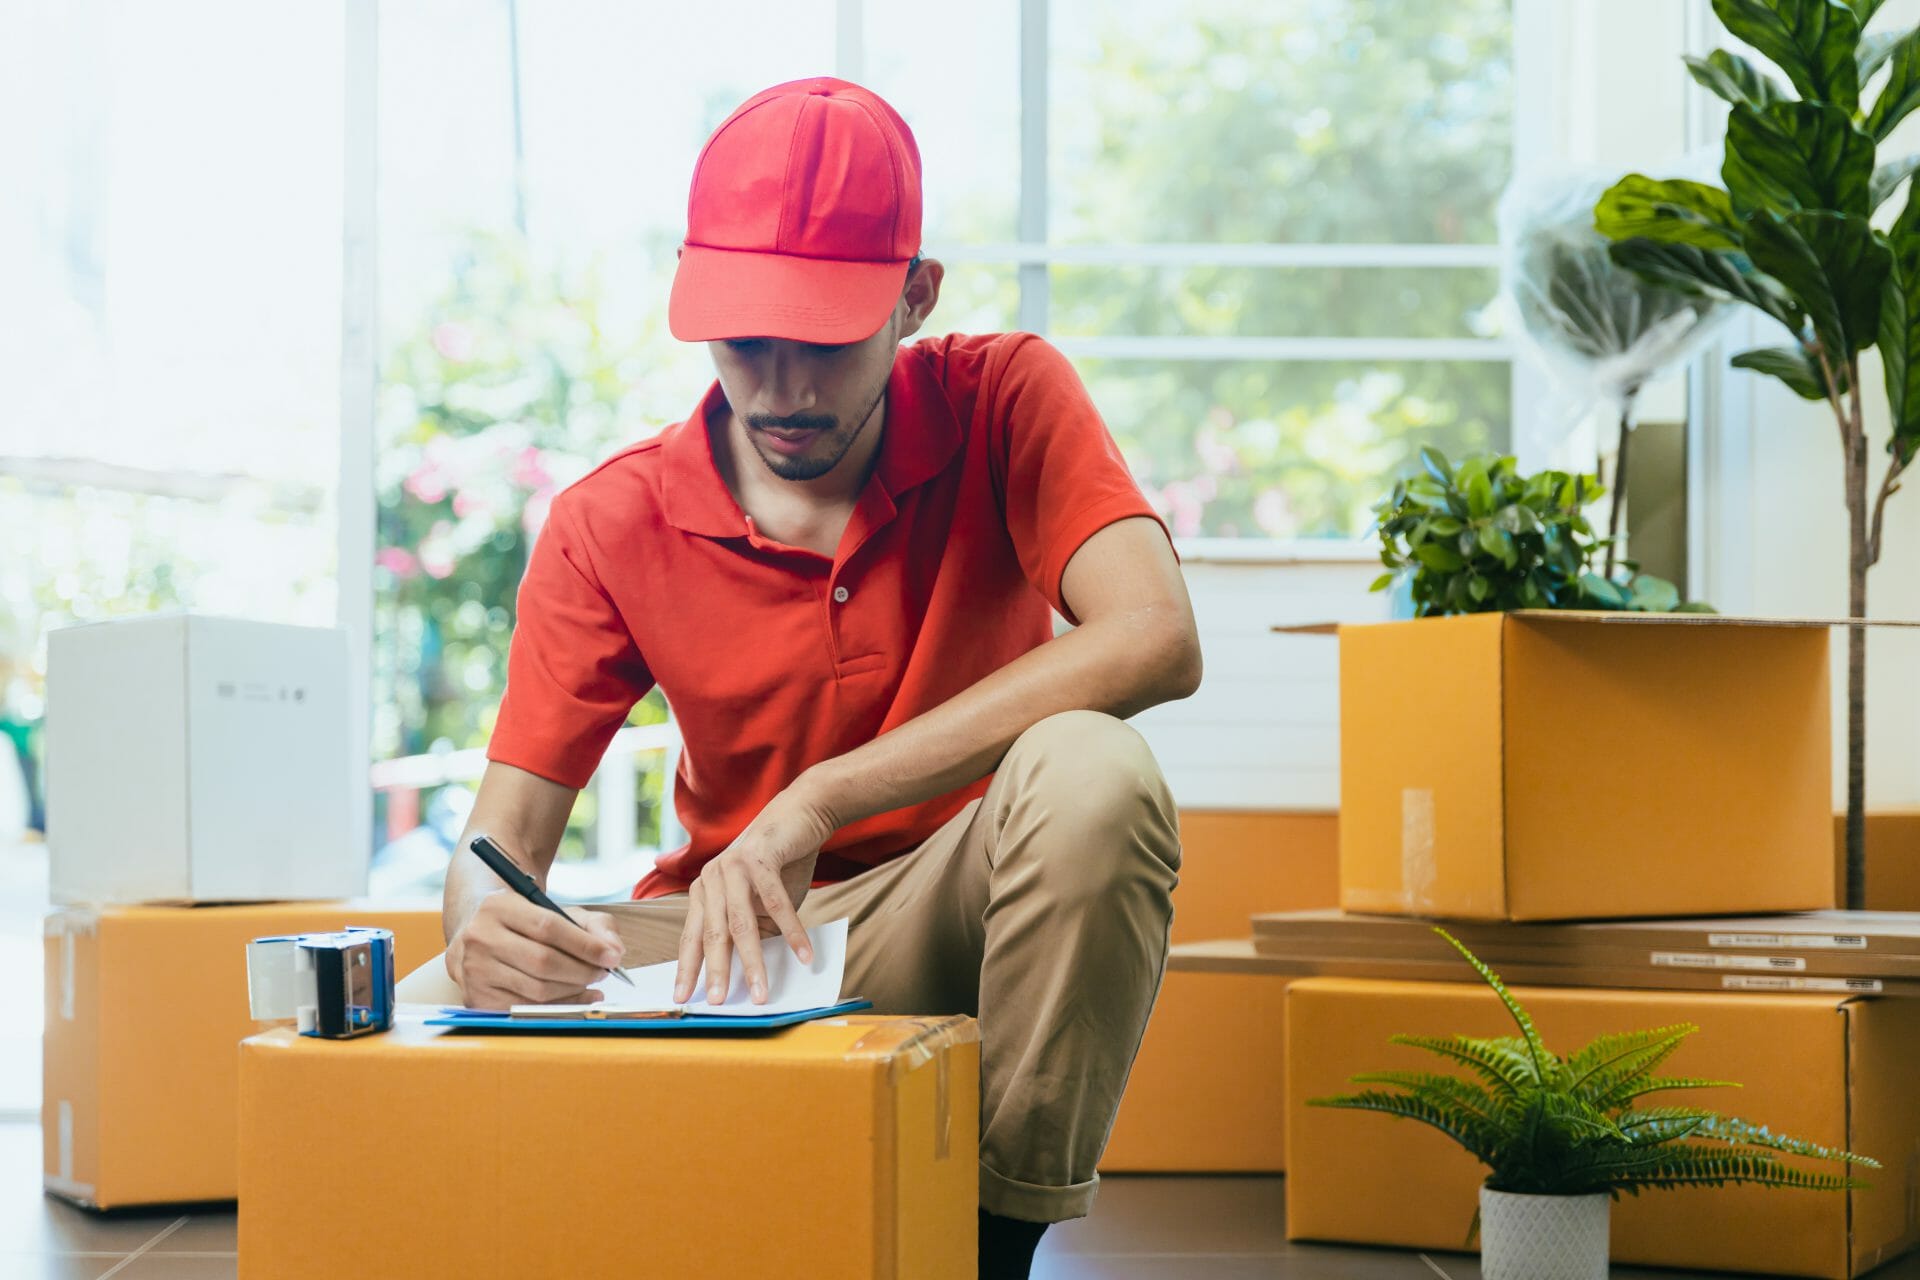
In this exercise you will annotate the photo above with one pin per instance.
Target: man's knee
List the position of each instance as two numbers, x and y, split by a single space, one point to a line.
1095 775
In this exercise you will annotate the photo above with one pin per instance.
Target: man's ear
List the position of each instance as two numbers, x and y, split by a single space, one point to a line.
920 295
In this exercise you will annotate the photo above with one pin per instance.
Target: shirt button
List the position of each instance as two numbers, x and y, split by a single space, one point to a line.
840 595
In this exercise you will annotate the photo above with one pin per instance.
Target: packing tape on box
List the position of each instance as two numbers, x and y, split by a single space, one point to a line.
907 1044
334 985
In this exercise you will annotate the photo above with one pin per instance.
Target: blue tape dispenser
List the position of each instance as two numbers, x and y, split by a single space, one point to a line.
334 985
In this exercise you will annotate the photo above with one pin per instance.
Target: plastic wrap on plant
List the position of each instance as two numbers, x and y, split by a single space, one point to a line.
1598 330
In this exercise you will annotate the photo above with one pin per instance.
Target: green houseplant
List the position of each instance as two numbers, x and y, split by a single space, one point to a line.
1791 234
1480 537
1563 1136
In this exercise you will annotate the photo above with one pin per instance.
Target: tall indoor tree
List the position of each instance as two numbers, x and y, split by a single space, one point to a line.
1791 233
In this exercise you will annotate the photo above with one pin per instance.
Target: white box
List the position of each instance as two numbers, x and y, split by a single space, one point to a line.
200 759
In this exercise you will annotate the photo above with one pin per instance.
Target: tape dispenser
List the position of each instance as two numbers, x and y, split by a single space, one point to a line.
334 985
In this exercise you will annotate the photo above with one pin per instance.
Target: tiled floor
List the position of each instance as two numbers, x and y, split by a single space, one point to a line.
1143 1228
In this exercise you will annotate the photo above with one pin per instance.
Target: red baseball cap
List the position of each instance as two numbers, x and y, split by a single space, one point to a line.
804 213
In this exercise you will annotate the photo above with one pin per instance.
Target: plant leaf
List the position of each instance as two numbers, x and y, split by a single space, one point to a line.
1900 335
1672 210
1409 1107
1535 1049
1797 155
1811 40
1901 93
1888 177
1873 51
1833 265
1864 11
1793 365
1743 1133
1735 79
1704 273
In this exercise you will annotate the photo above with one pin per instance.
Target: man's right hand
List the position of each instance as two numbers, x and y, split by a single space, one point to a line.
511 952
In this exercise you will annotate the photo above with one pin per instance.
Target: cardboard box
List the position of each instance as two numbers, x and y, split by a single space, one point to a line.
145 1008
1235 864
1893 859
197 759
1542 765
846 1148
1204 1094
1835 1070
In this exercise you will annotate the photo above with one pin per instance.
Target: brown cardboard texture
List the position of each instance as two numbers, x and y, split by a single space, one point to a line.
1893 859
1204 1095
846 1147
145 1008
1539 766
1233 864
1834 1070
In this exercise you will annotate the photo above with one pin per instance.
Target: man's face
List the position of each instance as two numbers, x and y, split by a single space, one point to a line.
804 405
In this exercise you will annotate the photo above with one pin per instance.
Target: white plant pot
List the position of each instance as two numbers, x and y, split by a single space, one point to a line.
1543 1237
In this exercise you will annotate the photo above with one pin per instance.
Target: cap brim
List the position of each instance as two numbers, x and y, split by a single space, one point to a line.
725 293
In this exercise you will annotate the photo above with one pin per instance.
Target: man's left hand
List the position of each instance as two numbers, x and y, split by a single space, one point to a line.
753 890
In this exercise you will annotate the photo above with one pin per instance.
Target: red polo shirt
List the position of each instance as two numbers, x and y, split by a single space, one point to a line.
993 469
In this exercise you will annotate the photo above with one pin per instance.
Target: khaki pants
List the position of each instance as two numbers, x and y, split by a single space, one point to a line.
1042 909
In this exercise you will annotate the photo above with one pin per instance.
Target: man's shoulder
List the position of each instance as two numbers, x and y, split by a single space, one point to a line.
965 361
621 490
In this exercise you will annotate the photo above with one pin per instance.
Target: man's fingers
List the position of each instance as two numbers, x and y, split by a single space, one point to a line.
690 942
779 909
743 927
713 936
543 964
580 941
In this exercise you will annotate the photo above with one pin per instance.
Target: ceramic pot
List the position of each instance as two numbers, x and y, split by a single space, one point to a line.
1543 1237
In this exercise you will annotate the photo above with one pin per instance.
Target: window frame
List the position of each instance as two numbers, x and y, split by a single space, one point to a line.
1536 34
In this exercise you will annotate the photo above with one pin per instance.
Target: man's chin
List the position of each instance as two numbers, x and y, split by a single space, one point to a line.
811 465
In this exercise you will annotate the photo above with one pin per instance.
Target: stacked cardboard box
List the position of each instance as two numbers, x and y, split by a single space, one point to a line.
1500 771
193 763
145 1011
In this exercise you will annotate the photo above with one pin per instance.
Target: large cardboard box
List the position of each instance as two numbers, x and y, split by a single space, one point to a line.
200 759
1835 1070
145 1010
1542 765
844 1148
1204 1095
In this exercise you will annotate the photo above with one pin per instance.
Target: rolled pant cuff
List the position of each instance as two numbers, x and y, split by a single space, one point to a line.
1032 1202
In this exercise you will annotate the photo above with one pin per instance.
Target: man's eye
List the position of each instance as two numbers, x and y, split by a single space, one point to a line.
744 345
824 349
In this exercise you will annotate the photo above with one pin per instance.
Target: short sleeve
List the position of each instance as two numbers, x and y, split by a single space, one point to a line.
573 670
1064 478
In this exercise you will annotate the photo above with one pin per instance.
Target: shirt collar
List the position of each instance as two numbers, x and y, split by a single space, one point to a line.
920 437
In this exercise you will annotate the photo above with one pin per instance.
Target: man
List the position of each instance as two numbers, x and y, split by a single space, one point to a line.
839 571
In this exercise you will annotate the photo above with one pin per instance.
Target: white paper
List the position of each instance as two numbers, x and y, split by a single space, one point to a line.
791 986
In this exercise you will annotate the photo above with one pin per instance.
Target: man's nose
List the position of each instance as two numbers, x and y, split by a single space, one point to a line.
788 390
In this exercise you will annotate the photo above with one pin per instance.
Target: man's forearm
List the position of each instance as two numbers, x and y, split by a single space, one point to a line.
1120 665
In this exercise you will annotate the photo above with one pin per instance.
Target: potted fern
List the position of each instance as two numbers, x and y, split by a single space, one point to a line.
1564 1136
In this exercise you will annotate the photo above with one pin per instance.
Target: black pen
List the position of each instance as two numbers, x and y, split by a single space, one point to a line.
521 883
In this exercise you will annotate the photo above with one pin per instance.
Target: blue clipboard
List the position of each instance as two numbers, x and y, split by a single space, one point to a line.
471 1021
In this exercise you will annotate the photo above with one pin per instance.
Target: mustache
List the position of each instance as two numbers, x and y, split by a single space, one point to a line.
793 422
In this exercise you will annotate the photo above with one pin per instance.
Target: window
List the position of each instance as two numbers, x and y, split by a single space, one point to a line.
170 345
1263 228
